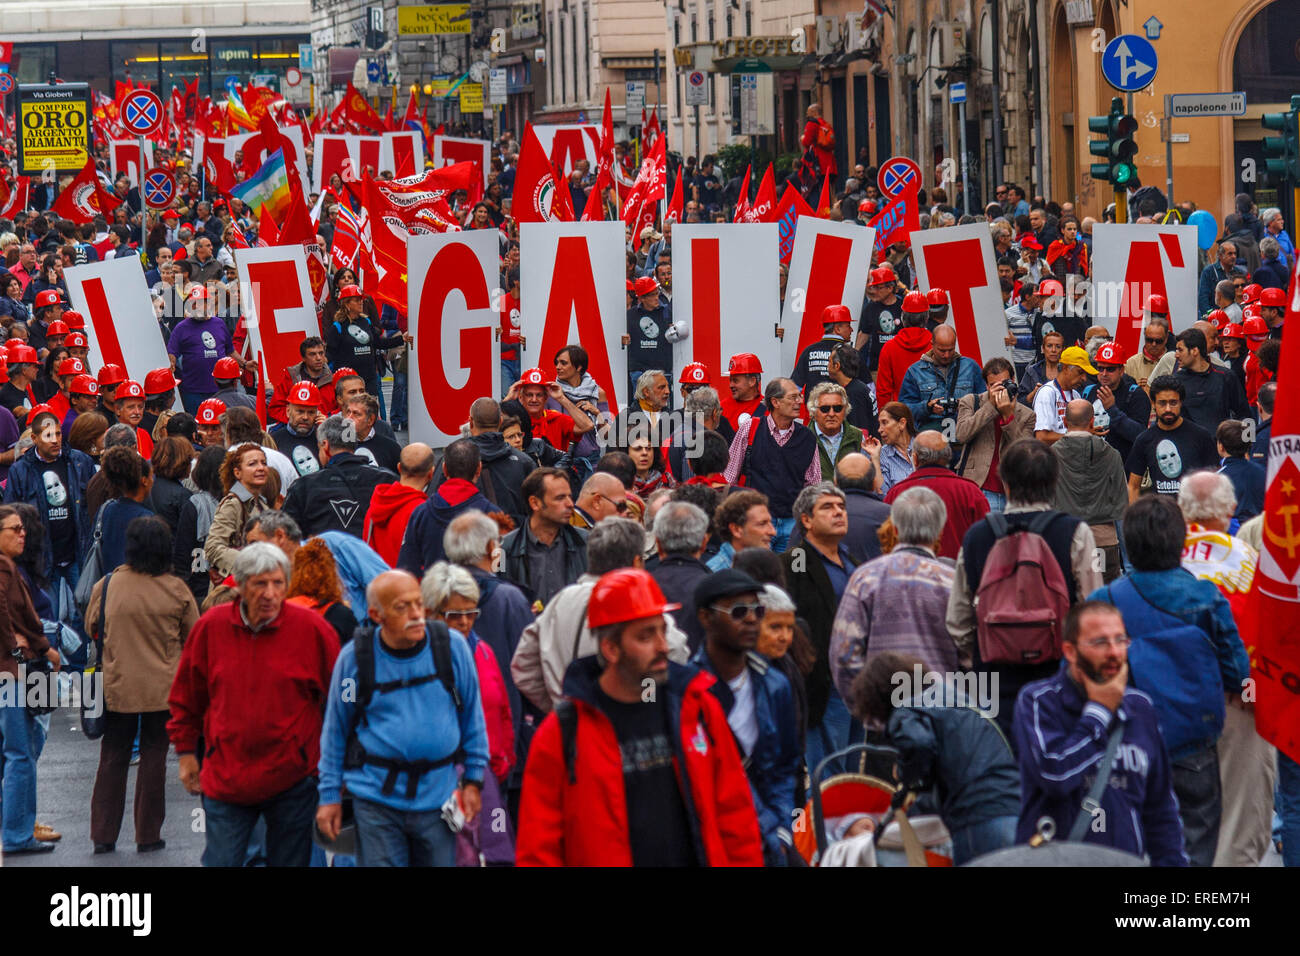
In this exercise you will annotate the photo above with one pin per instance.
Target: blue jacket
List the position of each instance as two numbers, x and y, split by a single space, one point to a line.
776 762
27 486
1248 480
411 723
925 382
1061 736
1263 435
422 543
1181 594
358 564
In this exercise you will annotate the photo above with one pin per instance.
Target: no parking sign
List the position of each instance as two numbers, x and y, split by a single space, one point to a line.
159 188
897 174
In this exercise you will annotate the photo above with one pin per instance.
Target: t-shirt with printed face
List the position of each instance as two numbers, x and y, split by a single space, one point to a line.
197 345
658 829
1168 455
58 510
880 322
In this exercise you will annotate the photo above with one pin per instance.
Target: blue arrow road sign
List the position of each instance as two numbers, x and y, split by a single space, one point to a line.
1129 63
957 93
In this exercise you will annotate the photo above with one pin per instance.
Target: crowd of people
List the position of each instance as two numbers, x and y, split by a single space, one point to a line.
585 634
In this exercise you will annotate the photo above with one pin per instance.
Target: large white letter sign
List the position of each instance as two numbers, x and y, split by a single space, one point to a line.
455 149
728 295
278 306
450 281
124 157
120 322
1130 263
401 152
565 144
573 288
828 267
959 260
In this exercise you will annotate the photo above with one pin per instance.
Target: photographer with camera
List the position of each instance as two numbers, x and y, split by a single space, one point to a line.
987 425
940 378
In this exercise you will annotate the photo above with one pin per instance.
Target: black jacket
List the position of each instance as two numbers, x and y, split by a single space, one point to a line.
867 512
514 562
1128 416
814 600
337 497
1212 396
677 576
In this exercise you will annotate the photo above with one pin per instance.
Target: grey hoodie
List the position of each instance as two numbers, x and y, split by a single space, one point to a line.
1093 484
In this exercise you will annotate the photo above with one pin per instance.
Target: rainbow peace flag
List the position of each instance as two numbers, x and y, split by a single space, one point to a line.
267 188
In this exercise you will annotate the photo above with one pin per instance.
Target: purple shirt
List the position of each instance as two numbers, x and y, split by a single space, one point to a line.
197 345
9 434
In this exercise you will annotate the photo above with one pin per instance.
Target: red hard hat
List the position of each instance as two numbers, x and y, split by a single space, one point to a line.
349 292
1233 331
84 385
160 381
1219 318
869 207
20 353
746 363
1050 287
835 314
1251 311
645 285
76 340
1251 292
226 368
48 297
40 409
694 374
198 293
4 368
882 275
937 297
1158 305
628 594
305 393
343 373
210 411
630 285
129 389
74 319
1273 298
533 376
1255 325
70 366
57 327
111 375
915 302
1109 354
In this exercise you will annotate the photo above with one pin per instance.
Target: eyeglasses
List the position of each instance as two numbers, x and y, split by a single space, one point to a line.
15 528
830 409
739 612
619 506
1156 341
1098 643
470 614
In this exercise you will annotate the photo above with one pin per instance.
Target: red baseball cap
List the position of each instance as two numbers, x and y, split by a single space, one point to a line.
343 373
226 368
533 376
171 214
210 411
47 298
70 366
645 285
1273 298
1109 354
129 389
1029 242
74 319
76 340
937 297
882 275
306 394
111 374
349 292
160 381
57 327
40 409
915 302
694 374
1158 305
84 385
835 314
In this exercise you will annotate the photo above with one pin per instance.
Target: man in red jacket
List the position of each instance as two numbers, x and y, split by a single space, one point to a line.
313 368
252 684
391 505
966 504
652 775
901 352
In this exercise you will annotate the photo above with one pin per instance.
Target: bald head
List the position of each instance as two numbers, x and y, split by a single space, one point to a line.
416 464
1096 332
855 465
931 450
1210 331
1078 415
394 603
945 337
601 483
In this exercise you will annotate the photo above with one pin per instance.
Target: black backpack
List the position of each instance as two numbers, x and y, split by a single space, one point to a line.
355 754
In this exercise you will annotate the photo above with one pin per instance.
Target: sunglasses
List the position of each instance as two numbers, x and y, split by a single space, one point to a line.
830 409
739 612
1154 341
471 614
15 528
619 506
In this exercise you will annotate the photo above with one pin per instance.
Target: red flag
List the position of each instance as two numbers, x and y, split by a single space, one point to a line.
120 90
604 165
1272 632
358 111
899 219
788 211
216 168
412 115
648 189
675 205
652 130
13 194
268 233
389 123
824 203
536 189
764 207
85 198
742 203
594 211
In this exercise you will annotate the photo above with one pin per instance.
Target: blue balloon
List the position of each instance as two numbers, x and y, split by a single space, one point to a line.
1207 230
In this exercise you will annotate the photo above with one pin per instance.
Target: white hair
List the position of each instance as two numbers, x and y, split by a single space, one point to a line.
442 580
774 599
469 536
260 557
1206 496
919 516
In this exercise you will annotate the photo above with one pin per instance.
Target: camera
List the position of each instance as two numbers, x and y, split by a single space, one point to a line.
947 406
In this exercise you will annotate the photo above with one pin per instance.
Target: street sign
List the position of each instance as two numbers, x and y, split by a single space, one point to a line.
6 84
292 76
53 127
142 112
159 188
697 88
1207 104
374 70
1129 63
757 112
635 101
957 93
896 174
306 59
498 93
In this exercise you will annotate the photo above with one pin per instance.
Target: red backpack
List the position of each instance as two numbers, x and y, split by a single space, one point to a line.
1022 599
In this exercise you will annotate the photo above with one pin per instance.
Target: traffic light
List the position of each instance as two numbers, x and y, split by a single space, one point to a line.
1118 147
1282 153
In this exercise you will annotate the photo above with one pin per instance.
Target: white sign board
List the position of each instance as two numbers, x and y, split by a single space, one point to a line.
757 114
120 323
828 266
697 88
1133 262
1207 104
279 310
959 260
497 95
635 100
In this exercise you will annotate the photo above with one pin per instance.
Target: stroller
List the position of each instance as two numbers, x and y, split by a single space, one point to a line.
896 840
